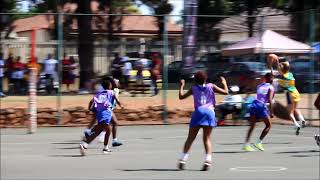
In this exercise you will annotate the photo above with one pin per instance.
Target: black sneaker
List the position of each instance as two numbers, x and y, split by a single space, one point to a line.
303 124
206 166
181 165
116 143
106 151
317 138
297 131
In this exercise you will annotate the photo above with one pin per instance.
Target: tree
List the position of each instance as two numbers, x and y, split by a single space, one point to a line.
85 35
300 22
6 6
159 7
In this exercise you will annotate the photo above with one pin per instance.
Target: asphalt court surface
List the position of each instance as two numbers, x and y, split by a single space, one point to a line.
151 152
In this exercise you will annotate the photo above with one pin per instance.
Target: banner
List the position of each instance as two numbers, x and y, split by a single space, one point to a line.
189 35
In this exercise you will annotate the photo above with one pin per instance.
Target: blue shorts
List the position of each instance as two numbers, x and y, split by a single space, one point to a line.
104 116
259 110
203 116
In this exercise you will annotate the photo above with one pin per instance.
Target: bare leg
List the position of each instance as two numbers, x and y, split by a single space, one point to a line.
207 146
298 114
97 129
114 122
252 126
291 114
108 131
266 129
207 139
193 131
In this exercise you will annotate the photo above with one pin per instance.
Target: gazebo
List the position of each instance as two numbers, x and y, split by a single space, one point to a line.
267 42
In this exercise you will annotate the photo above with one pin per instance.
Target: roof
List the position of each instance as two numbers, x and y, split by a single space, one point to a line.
130 24
267 42
38 22
274 19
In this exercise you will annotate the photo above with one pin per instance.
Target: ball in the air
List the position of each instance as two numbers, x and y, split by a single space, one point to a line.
271 59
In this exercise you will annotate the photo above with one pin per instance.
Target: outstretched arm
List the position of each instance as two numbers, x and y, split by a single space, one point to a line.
183 95
223 90
118 102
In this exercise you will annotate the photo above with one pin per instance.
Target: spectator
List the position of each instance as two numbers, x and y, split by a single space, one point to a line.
1 75
116 67
155 71
50 67
17 76
35 65
127 67
68 76
9 66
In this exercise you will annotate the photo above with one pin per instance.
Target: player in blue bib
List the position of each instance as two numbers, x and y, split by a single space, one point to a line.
261 109
102 105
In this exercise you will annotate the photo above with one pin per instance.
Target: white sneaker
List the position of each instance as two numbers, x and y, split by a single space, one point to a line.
83 150
106 151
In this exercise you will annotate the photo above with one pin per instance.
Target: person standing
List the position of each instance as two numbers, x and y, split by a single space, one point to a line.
50 68
1 75
203 117
261 109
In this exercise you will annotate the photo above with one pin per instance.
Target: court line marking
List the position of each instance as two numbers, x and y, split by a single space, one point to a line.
258 168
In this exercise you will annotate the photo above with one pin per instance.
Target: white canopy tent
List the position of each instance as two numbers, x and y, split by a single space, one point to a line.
268 42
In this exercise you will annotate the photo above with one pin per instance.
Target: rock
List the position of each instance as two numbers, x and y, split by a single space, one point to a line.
11 116
45 115
144 115
156 108
10 111
19 113
66 117
131 117
78 114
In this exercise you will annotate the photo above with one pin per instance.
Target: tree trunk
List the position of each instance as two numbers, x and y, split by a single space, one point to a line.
160 21
85 44
251 6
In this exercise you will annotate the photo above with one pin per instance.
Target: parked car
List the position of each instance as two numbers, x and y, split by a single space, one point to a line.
176 72
215 65
307 74
246 75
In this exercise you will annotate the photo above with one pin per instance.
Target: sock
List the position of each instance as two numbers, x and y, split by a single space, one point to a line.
247 144
115 140
88 131
259 141
184 156
85 145
294 121
208 158
106 147
300 117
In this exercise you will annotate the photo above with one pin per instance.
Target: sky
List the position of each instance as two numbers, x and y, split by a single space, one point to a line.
177 8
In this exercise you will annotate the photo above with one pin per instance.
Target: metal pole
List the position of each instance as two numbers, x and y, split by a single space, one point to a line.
165 71
311 39
33 86
60 57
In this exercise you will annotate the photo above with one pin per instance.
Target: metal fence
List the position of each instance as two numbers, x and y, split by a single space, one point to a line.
137 36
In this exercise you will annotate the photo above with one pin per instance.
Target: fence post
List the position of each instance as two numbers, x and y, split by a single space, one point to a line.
165 71
311 69
60 57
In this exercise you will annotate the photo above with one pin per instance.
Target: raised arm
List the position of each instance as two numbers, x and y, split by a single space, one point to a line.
223 90
183 95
